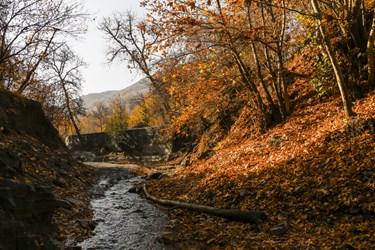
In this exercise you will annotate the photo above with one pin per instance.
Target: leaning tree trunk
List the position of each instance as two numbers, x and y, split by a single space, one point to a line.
276 115
370 54
233 214
70 112
335 65
285 101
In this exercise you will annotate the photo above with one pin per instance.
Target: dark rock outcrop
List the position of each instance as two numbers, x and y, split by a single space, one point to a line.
37 174
26 212
26 117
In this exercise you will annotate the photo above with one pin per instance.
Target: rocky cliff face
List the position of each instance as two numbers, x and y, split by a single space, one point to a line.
42 189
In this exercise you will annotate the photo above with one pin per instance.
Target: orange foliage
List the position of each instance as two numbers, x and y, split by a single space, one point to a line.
314 171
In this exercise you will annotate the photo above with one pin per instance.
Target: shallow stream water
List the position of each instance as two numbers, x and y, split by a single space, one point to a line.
125 220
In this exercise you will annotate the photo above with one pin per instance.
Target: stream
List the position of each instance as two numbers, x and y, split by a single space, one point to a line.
125 220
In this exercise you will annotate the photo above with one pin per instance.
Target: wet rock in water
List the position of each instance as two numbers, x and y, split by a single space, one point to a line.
280 229
133 190
74 201
89 223
63 204
60 182
62 172
84 156
157 176
3 130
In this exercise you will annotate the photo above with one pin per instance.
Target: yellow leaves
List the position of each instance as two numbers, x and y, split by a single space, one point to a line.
206 13
369 4
180 7
239 2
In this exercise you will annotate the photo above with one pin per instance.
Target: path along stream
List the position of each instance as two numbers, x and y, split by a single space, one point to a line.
125 219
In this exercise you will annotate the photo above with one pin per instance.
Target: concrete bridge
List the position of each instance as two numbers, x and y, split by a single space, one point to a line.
138 143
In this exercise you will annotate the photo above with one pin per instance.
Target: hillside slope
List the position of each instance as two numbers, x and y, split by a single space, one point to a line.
42 189
313 175
128 93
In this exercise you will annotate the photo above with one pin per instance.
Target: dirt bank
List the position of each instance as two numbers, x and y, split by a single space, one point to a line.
43 191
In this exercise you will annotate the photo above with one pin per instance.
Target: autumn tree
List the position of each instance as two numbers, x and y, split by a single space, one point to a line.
29 31
346 32
65 77
118 120
148 112
131 40
334 61
34 57
371 53
99 113
195 43
247 42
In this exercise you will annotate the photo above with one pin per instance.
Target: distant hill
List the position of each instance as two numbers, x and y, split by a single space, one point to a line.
129 93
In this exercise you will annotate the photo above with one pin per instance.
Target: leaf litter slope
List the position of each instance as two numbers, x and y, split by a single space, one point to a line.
314 171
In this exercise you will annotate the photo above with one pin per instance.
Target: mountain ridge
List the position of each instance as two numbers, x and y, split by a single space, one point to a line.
131 92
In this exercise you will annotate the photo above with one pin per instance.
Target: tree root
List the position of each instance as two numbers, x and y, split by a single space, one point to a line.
253 217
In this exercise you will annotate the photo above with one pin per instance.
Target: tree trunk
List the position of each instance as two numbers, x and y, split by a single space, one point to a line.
370 54
254 217
285 102
276 115
272 71
245 74
70 112
335 65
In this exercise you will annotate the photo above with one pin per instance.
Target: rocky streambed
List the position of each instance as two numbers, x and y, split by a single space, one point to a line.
125 220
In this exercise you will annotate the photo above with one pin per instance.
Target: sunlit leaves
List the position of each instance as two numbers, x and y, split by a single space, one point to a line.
307 171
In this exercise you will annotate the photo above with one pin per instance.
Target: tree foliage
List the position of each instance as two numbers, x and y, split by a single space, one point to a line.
241 50
100 113
118 120
131 40
148 112
34 58
208 60
250 66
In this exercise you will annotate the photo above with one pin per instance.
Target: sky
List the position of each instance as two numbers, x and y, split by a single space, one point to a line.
99 76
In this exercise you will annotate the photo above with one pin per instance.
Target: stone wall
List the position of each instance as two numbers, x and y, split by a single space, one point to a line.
90 142
145 143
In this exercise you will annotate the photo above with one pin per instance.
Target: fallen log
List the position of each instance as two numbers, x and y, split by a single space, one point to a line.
253 217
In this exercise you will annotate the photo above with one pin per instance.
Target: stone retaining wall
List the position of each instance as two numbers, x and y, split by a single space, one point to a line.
145 143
